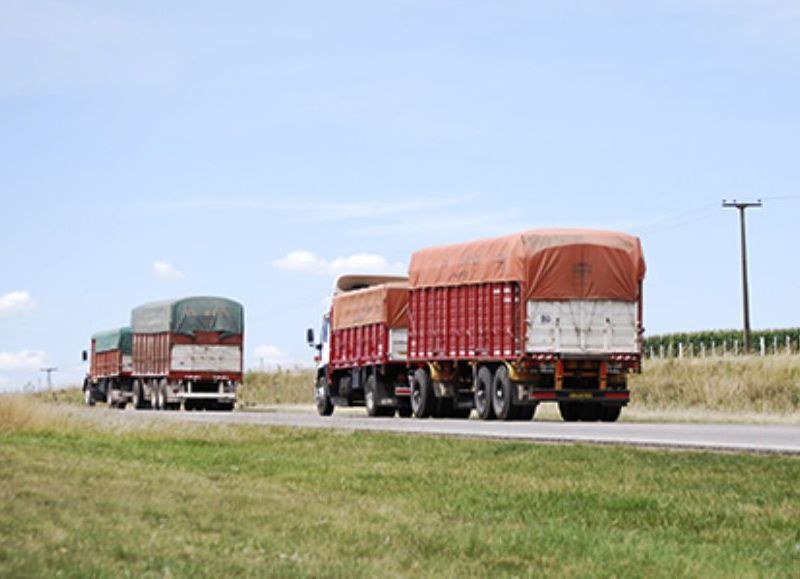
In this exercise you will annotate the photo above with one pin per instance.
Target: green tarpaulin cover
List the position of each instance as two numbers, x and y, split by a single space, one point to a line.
116 339
189 315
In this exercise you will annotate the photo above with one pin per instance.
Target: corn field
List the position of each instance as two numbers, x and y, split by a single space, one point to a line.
722 343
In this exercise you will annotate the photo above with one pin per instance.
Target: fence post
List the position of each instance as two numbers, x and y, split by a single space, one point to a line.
774 345
713 349
736 347
670 350
763 345
788 345
680 350
661 351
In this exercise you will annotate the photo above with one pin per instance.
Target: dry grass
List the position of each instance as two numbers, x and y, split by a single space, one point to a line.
20 412
282 386
751 385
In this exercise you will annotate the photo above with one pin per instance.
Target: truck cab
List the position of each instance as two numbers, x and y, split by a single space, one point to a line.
350 382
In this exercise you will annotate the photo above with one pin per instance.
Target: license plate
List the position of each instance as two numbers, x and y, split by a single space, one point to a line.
580 395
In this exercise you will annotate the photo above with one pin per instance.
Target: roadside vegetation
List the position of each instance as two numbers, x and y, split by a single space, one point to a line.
721 389
187 500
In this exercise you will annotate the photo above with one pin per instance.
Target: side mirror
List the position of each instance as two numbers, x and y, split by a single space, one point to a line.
310 337
84 355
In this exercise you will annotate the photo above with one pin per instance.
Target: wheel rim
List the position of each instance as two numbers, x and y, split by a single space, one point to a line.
480 399
416 396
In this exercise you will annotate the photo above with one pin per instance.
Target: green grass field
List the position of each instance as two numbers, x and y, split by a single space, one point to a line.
183 500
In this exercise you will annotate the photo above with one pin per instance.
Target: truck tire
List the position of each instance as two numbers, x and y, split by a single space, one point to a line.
138 399
610 413
569 411
88 397
422 400
590 412
322 397
524 412
502 396
371 399
404 408
483 394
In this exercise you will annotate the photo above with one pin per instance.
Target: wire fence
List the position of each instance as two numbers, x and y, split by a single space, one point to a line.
770 343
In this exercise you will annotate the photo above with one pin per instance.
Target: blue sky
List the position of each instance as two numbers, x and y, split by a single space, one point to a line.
256 149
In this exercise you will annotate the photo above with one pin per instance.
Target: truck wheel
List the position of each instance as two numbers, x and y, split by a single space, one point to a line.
502 402
442 407
569 411
610 413
404 408
88 397
322 398
591 412
371 397
525 412
422 400
483 394
138 400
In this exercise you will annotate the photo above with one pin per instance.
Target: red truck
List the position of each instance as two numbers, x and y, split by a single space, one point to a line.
187 352
110 368
504 324
501 325
362 353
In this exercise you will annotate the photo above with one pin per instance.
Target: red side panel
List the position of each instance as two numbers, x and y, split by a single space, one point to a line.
359 346
480 321
105 364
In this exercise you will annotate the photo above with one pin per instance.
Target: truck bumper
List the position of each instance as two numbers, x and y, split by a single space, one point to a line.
605 397
218 396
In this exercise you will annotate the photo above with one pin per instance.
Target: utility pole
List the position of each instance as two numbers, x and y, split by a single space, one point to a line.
742 206
49 372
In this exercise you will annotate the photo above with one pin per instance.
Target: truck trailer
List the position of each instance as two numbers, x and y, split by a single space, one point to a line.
499 325
505 324
187 352
362 352
110 368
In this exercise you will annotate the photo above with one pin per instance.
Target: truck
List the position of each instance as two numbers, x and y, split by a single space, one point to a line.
502 325
361 358
110 368
187 353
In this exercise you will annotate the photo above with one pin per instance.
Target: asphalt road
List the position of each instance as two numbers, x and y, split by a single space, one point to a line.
723 437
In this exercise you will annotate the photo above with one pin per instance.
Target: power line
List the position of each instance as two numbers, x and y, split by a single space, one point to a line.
743 206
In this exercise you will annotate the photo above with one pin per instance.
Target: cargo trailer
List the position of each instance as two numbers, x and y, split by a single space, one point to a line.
187 352
110 368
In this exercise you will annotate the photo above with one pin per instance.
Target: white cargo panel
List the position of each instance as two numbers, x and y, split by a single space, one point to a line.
206 358
582 327
127 363
398 343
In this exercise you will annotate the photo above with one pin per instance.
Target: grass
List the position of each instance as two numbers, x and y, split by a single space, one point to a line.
756 385
184 500
282 386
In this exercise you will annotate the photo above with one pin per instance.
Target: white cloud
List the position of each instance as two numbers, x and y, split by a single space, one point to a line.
22 360
164 270
308 262
15 302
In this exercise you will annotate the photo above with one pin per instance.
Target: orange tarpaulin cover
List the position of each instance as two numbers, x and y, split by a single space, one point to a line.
550 264
385 303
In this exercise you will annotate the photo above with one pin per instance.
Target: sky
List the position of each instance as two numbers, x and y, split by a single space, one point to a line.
256 149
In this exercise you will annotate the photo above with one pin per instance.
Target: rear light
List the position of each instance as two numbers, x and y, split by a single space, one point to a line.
623 357
544 357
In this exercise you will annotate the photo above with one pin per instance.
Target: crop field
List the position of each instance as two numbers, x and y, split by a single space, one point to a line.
103 501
